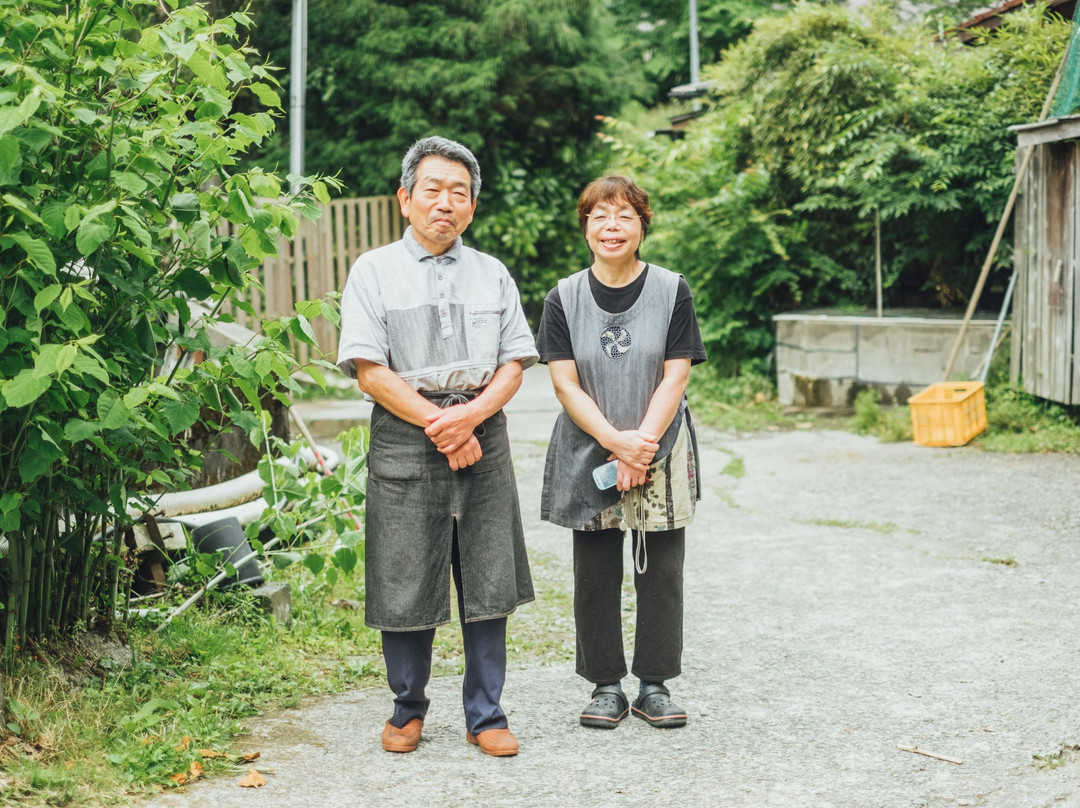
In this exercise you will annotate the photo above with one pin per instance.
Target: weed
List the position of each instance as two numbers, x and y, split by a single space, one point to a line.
891 425
1020 422
735 468
878 527
1056 760
1008 561
741 403
193 686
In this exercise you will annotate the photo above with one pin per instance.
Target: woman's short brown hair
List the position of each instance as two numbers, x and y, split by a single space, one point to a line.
614 189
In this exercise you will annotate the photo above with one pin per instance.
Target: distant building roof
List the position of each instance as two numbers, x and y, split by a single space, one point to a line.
697 89
992 18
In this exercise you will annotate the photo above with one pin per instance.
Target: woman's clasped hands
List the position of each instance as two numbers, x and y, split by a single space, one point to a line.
635 451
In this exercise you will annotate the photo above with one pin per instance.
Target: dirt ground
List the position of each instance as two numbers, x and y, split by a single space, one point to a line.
845 598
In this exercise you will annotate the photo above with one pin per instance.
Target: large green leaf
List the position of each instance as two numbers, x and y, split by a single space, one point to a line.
10 160
112 411
180 414
38 457
76 429
92 234
193 284
26 388
13 116
37 251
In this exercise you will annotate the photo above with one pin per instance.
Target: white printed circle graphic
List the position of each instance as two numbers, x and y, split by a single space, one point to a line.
615 341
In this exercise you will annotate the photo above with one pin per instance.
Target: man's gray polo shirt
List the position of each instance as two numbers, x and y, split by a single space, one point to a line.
440 322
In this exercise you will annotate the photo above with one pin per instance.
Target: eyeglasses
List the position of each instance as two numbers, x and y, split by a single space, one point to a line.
621 218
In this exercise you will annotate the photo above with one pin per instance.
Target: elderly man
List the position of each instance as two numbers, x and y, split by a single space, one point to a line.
434 333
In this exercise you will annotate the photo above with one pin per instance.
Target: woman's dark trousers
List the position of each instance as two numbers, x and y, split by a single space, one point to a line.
598 576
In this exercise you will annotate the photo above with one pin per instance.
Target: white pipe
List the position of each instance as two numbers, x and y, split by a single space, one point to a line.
232 492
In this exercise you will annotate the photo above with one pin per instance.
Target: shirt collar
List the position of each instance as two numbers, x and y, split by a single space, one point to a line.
420 254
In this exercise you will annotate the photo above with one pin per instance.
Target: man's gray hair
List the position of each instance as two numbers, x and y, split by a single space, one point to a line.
439 147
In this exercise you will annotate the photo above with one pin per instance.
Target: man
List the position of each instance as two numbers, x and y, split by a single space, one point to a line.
434 333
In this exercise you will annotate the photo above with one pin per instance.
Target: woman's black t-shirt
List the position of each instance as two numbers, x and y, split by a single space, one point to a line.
683 339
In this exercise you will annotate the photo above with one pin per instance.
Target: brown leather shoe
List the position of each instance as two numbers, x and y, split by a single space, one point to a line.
494 742
405 739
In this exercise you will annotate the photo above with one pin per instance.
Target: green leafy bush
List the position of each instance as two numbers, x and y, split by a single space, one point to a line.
820 122
118 145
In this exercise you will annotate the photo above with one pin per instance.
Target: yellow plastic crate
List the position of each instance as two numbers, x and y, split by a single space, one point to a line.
948 413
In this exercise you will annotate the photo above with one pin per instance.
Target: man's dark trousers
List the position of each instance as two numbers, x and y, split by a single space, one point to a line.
408 667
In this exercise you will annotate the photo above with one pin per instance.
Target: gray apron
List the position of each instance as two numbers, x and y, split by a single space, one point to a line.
413 501
620 363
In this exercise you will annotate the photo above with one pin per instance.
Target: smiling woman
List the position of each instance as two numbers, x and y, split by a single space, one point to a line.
619 339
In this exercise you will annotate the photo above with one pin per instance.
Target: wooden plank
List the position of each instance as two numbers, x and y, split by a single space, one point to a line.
1073 289
324 331
384 224
1056 204
1050 131
1068 256
1031 331
351 251
1020 261
1041 307
363 240
341 256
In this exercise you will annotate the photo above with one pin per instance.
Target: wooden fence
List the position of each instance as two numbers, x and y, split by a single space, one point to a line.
317 261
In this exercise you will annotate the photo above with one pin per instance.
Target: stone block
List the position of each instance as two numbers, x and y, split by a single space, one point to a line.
825 359
275 597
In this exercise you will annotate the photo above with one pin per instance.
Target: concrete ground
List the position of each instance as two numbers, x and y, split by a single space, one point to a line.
844 598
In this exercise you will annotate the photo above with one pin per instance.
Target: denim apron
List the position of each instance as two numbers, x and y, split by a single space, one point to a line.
413 501
620 363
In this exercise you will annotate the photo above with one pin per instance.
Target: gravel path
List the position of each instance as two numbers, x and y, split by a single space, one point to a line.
845 598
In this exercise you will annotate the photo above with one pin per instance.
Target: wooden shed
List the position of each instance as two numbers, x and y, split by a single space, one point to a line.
1046 307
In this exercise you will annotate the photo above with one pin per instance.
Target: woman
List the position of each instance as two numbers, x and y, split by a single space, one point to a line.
619 339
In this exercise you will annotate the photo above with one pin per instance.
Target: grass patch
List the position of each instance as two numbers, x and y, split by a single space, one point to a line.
741 403
892 424
105 734
736 468
1068 753
94 733
878 527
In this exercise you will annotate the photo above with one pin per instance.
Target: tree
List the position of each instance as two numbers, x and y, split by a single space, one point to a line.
658 34
122 204
520 82
819 122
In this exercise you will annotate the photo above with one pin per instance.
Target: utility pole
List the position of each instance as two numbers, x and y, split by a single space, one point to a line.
695 57
297 87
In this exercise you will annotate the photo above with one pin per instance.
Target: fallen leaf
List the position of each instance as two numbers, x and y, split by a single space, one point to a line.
184 744
210 753
195 772
253 779
179 778
248 757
